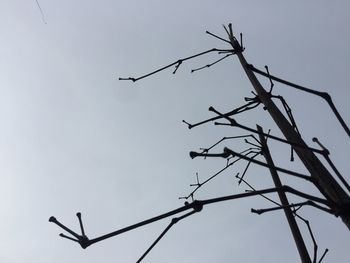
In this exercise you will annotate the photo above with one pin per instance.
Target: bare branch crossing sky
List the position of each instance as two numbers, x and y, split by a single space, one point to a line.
74 138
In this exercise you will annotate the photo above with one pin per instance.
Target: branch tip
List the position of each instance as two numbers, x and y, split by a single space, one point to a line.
190 126
193 154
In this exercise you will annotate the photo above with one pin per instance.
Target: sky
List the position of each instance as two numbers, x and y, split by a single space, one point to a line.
74 138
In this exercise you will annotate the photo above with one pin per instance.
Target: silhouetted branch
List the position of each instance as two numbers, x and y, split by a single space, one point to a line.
227 152
234 123
325 252
290 117
299 205
85 242
196 205
306 222
67 237
211 64
288 111
233 153
247 166
250 105
323 95
331 164
81 239
176 64
253 189
199 185
172 223
284 188
241 43
81 224
268 75
206 150
252 144
217 37
233 40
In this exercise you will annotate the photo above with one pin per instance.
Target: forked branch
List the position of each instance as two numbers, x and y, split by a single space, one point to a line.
323 95
196 206
176 64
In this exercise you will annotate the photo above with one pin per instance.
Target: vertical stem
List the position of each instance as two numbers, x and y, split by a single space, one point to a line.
330 187
299 241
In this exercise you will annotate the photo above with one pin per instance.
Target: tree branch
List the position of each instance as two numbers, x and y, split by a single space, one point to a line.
176 64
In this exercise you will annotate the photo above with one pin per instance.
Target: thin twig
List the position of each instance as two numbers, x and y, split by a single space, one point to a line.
324 254
299 205
234 123
247 166
211 64
206 150
217 37
199 185
172 223
41 12
176 64
248 106
253 189
227 152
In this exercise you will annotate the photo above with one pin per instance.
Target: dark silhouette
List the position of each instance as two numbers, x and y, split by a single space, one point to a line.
336 199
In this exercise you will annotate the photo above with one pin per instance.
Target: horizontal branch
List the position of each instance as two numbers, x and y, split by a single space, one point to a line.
196 205
248 106
279 207
176 64
212 64
227 152
234 123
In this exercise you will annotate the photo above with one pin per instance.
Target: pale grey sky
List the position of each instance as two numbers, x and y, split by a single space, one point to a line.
74 138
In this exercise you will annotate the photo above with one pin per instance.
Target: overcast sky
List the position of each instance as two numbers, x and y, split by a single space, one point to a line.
75 139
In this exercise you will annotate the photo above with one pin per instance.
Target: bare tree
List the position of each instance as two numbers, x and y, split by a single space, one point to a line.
335 197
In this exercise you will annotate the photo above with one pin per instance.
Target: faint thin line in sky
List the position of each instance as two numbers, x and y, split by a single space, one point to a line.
41 11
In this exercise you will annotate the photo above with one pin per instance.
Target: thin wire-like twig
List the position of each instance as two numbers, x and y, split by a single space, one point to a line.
199 185
211 64
325 252
298 205
248 106
253 189
213 35
247 166
227 152
41 11
176 64
206 150
172 223
234 123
